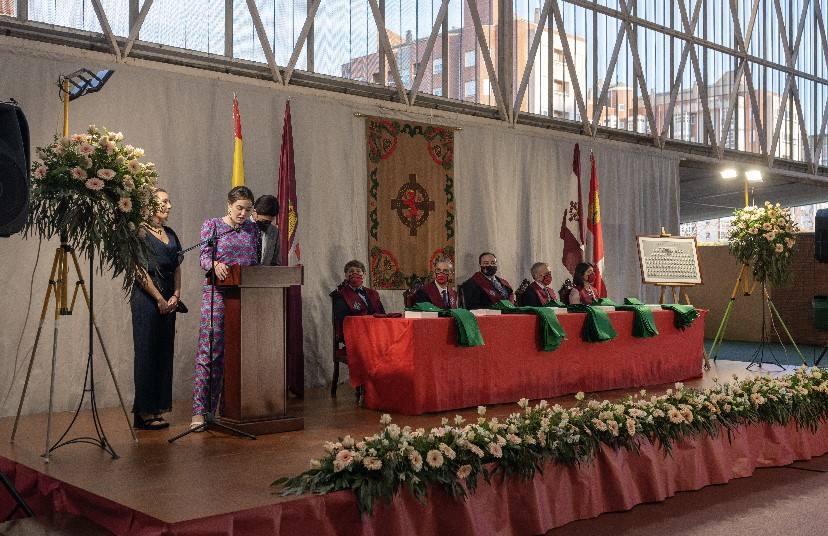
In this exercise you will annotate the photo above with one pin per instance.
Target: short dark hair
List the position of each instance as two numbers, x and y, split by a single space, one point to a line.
580 270
238 193
354 264
267 205
480 258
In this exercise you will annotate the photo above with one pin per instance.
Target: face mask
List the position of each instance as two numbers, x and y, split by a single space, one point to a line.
355 280
489 271
441 279
590 278
547 280
263 225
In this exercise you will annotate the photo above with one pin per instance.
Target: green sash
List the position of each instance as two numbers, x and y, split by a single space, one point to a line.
604 301
643 321
468 331
597 327
685 315
552 333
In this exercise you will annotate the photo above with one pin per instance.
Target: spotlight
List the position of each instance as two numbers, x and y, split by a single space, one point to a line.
753 175
729 173
84 81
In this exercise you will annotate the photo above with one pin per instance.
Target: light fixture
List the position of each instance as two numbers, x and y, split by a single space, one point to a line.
753 175
84 81
729 173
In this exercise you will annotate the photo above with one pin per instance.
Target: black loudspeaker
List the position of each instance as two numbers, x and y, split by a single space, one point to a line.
15 161
821 235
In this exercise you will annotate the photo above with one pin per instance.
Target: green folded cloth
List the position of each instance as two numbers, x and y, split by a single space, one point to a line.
555 303
685 315
643 321
604 301
597 327
468 331
552 333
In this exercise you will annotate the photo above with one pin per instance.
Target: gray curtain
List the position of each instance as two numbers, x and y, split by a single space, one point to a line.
511 187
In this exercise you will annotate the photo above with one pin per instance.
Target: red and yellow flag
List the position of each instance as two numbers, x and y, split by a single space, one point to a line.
596 236
238 152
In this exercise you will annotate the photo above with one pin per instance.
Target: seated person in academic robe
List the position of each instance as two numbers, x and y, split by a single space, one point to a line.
539 293
484 288
582 290
353 299
438 291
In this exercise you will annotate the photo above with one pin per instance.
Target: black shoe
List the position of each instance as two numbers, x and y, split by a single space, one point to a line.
152 423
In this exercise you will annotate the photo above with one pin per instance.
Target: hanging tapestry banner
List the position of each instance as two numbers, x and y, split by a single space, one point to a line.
411 211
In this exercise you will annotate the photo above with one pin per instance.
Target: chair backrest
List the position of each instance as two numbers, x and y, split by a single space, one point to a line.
335 335
563 293
524 285
408 294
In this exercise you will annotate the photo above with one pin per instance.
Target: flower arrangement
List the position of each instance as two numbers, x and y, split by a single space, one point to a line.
456 455
94 191
763 238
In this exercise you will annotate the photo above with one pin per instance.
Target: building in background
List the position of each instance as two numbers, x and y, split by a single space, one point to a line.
463 74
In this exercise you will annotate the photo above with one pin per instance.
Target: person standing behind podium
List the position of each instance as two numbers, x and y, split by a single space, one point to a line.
232 248
484 288
539 293
438 291
351 298
154 300
265 210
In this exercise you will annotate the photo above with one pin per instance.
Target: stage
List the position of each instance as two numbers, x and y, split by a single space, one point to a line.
212 483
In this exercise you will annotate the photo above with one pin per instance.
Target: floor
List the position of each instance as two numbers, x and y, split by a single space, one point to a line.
173 482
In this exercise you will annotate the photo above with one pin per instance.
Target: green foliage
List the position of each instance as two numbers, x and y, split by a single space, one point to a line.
93 191
455 456
763 238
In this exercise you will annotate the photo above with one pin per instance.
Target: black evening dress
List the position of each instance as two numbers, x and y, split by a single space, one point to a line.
153 334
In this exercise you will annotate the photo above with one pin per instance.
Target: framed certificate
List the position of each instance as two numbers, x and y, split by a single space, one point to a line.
669 260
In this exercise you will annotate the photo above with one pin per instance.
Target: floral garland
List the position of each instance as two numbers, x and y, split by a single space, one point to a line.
764 237
457 455
94 191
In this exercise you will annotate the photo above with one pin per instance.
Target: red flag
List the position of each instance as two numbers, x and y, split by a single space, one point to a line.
596 237
572 226
289 254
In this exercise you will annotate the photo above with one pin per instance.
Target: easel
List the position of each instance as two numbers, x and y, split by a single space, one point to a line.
58 285
676 290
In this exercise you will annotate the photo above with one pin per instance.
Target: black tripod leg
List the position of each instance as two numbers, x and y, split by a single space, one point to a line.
230 429
824 351
21 503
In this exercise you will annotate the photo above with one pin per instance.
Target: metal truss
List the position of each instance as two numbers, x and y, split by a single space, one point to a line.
550 17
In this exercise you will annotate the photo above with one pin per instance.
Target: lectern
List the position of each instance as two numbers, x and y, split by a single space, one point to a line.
255 385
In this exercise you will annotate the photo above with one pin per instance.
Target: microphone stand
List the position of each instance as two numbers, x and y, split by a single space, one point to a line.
209 416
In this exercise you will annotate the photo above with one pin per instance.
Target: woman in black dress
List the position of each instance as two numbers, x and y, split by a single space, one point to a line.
155 299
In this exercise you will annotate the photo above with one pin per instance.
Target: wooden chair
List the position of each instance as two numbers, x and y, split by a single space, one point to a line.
339 354
520 291
408 294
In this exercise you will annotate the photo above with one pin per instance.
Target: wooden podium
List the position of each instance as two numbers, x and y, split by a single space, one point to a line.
255 386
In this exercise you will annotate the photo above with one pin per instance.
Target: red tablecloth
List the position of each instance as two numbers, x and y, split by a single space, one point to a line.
414 366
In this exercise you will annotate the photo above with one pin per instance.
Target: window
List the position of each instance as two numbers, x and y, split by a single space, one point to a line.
558 55
622 107
559 86
486 87
437 66
468 59
470 88
438 91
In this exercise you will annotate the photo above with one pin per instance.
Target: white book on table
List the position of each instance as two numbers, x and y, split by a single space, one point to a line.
485 312
420 314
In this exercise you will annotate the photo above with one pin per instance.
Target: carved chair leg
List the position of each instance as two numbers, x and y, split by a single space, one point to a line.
335 381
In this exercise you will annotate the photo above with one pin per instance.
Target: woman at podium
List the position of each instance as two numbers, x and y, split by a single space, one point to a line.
154 301
230 240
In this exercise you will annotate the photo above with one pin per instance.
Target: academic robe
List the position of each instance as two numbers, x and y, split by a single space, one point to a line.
347 302
535 295
430 293
480 293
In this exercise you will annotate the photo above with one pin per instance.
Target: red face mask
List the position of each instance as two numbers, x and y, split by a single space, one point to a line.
547 280
441 279
590 278
355 280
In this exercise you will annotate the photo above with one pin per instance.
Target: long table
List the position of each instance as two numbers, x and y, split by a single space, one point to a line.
414 366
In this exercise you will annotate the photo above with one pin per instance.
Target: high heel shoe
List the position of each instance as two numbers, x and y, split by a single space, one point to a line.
150 423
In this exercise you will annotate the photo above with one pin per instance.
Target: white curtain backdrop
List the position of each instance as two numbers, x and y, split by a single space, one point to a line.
511 186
